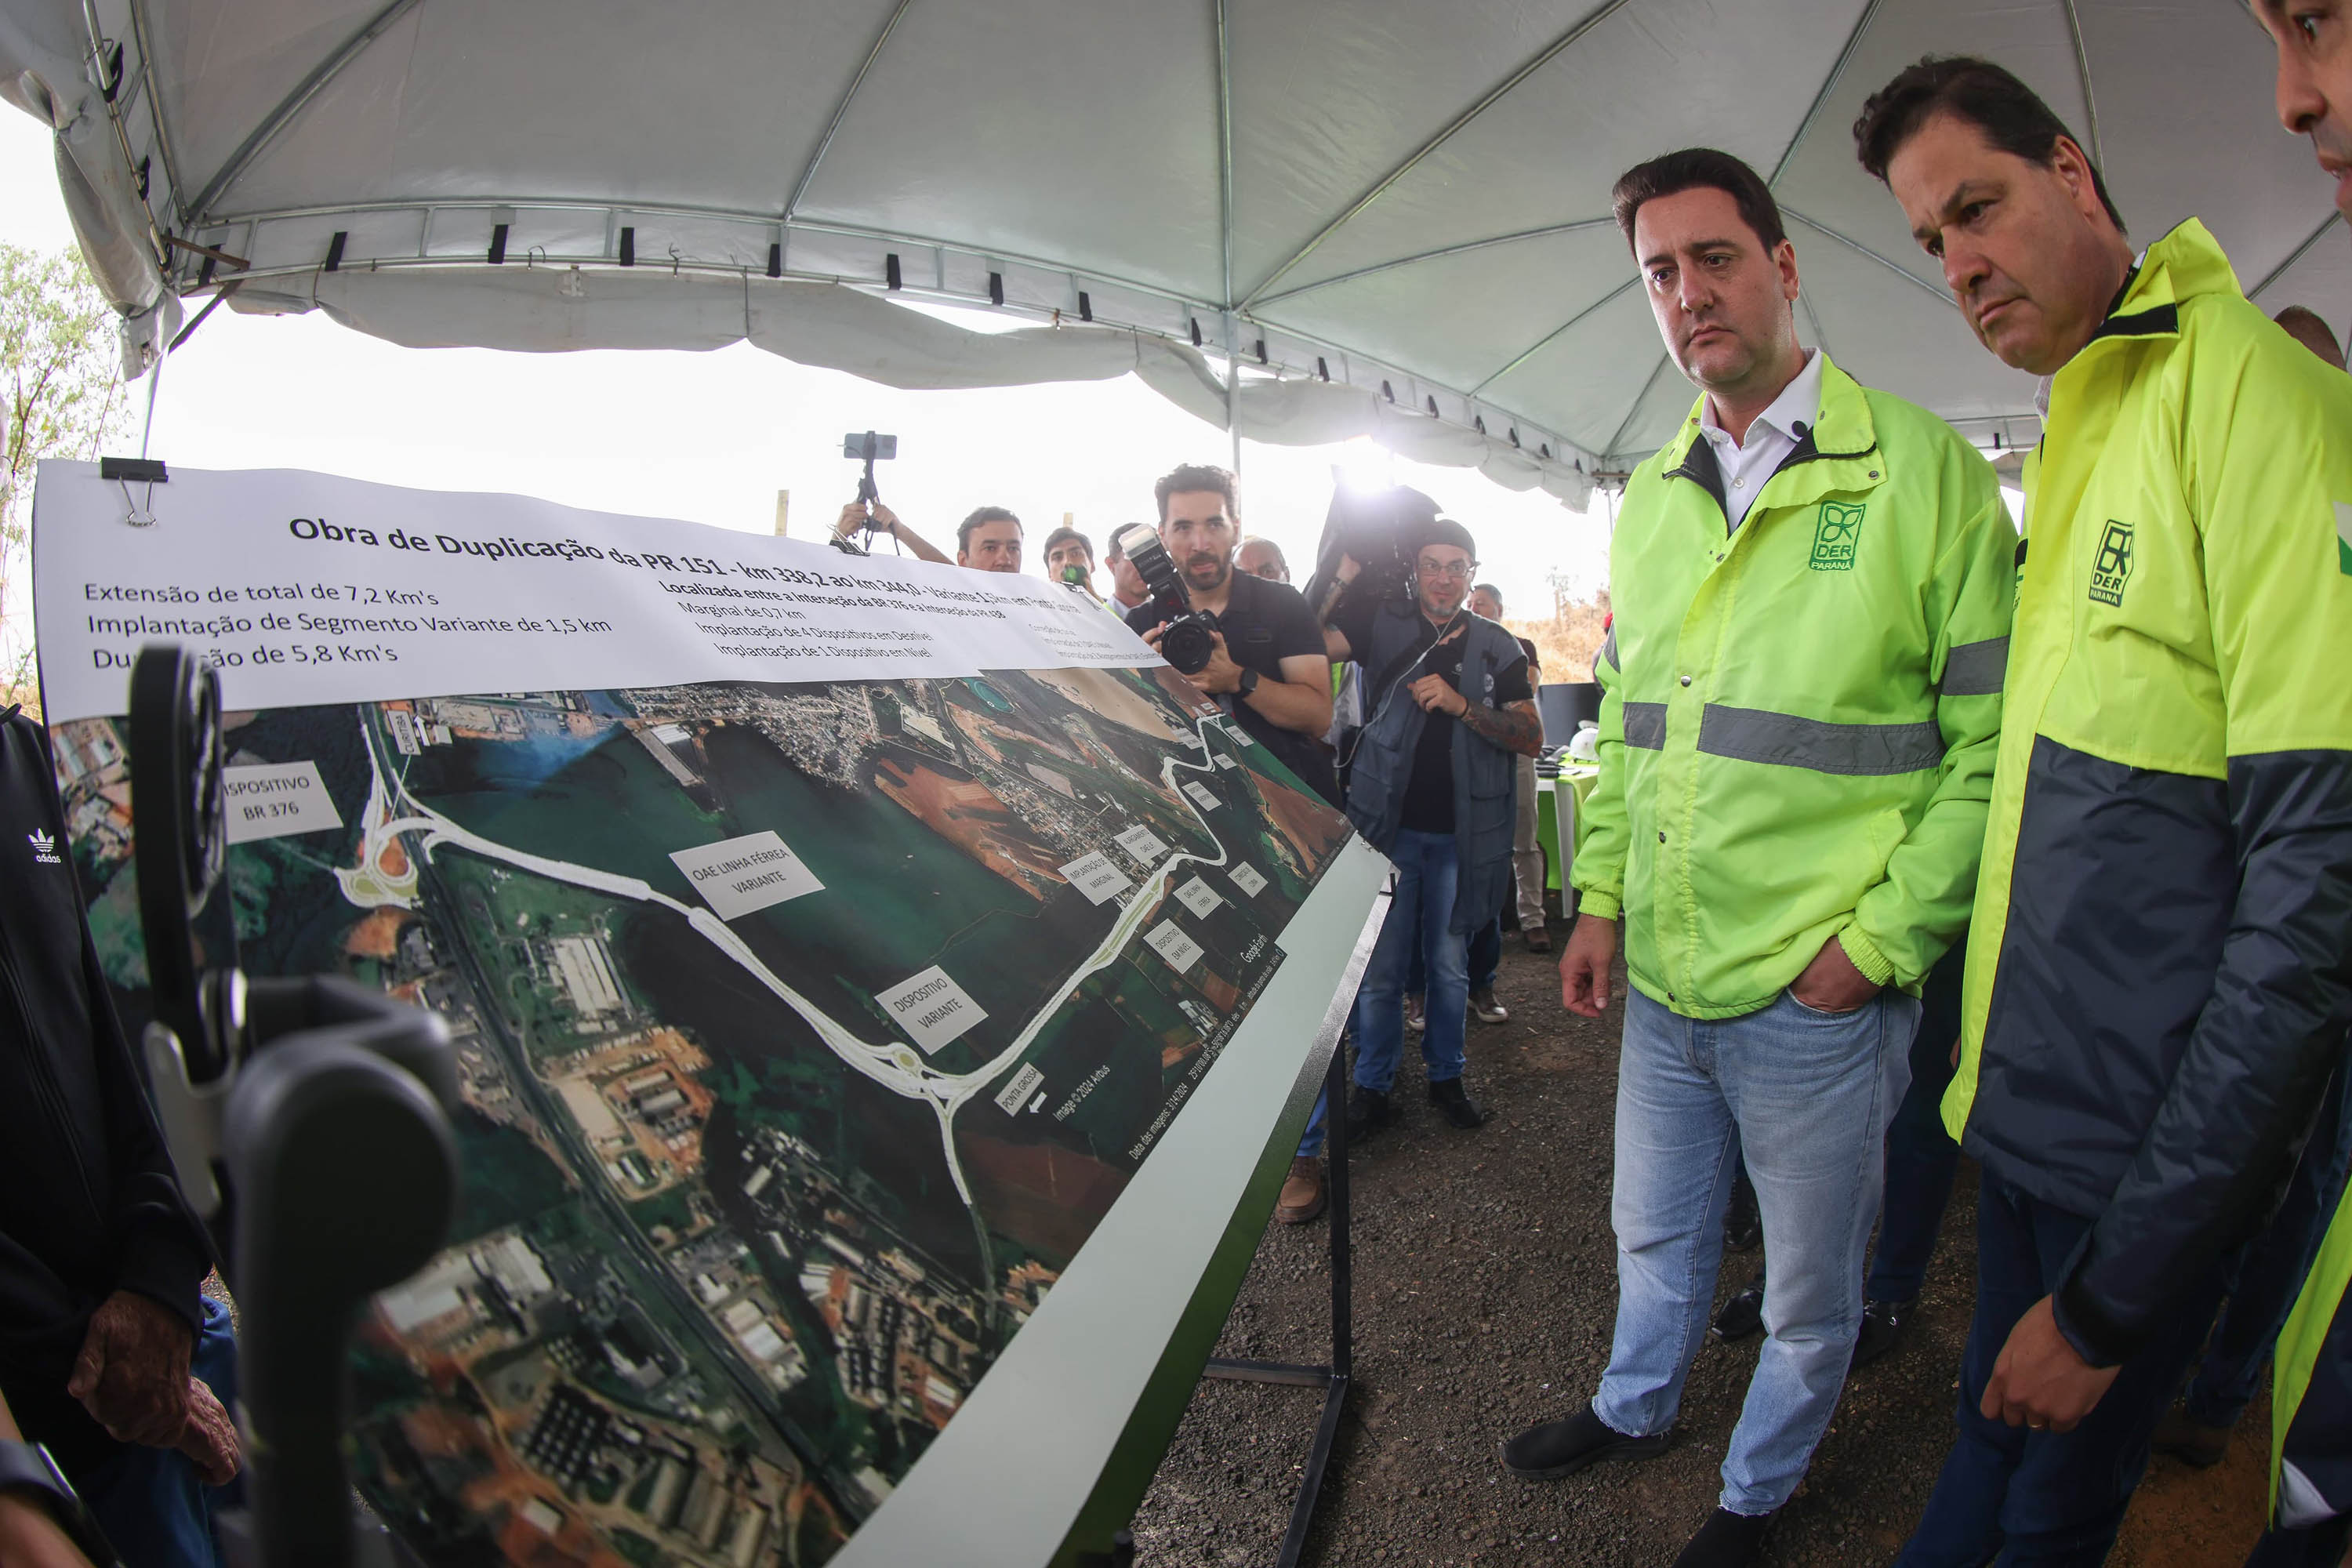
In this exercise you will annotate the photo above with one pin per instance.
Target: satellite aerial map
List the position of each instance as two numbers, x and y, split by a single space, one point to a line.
806 1033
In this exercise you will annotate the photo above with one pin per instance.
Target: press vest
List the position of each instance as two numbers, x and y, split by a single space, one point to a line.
1383 761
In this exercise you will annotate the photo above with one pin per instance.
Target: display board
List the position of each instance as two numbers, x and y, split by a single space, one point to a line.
833 946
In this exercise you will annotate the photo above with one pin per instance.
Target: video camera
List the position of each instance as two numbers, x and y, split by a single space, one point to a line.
309 1120
1380 531
1187 641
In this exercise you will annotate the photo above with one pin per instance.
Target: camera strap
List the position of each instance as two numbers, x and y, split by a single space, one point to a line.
1391 679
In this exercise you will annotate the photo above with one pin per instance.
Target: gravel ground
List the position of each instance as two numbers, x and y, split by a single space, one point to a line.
1486 1290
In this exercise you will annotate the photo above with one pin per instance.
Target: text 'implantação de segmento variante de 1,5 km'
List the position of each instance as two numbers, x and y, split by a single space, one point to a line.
293 583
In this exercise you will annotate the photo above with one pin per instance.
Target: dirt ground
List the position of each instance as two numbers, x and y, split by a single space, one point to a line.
1485 1289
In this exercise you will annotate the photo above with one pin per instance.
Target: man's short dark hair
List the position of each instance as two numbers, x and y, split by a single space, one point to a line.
2305 326
1693 169
1445 531
2005 112
980 518
1191 479
1477 588
1066 535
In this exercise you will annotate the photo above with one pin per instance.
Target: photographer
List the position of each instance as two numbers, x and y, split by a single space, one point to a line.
987 540
857 514
1266 666
1430 785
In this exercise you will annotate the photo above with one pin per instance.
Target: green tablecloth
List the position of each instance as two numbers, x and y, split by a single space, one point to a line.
1577 781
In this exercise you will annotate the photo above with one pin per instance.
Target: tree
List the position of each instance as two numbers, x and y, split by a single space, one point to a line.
60 371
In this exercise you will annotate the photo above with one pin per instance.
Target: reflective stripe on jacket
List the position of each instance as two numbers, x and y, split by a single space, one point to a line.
1381 765
2160 968
1798 721
2311 1390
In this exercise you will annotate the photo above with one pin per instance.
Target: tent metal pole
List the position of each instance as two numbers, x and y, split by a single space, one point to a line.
1639 399
1829 84
2083 70
291 104
2295 256
1549 338
1578 225
1861 250
841 112
1494 95
140 33
1225 226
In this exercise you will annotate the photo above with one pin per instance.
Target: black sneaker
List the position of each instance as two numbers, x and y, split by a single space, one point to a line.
2191 1441
1369 1110
1882 1330
1743 1314
1562 1447
1743 1227
1727 1540
1453 1104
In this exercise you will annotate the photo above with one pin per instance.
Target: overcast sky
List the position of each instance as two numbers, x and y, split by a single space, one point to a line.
711 437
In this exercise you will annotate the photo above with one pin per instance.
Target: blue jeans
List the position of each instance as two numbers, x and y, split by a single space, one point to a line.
1485 957
2267 1276
149 1502
1807 1096
2046 1497
1921 1158
1419 916
1413 932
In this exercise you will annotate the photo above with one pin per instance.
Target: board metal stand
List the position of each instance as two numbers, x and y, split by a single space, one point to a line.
1333 1377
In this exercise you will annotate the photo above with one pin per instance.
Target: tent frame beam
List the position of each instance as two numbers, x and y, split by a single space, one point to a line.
1493 95
841 113
292 104
2083 74
1861 250
1546 340
1574 226
2298 254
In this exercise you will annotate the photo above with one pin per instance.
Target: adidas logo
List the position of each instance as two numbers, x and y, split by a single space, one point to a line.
45 848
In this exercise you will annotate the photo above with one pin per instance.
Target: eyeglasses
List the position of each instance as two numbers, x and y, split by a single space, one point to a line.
1436 572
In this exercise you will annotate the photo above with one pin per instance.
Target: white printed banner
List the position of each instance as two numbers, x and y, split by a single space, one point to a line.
305 588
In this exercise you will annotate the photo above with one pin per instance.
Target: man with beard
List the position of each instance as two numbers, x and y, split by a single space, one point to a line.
1802 697
2160 972
1429 786
1267 667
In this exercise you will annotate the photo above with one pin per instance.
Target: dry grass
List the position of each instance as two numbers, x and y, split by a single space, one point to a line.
1569 637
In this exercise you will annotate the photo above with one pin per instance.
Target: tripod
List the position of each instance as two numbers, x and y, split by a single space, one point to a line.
308 1118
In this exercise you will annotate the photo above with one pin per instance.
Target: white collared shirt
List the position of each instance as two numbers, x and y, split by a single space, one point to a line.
1746 464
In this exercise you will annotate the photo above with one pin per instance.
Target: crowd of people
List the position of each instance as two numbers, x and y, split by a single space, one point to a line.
1923 829
1918 829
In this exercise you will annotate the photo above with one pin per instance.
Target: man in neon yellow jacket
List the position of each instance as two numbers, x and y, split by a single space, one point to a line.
2311 1400
2160 971
1812 585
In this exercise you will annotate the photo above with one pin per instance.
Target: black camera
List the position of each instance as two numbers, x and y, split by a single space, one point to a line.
1187 635
1380 531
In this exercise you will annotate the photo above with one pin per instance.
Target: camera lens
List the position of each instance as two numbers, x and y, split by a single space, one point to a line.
1187 645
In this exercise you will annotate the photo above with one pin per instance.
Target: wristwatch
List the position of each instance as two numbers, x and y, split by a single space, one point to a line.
27 1467
1247 684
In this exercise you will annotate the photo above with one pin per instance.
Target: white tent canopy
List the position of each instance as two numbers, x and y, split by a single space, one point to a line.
1394 216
